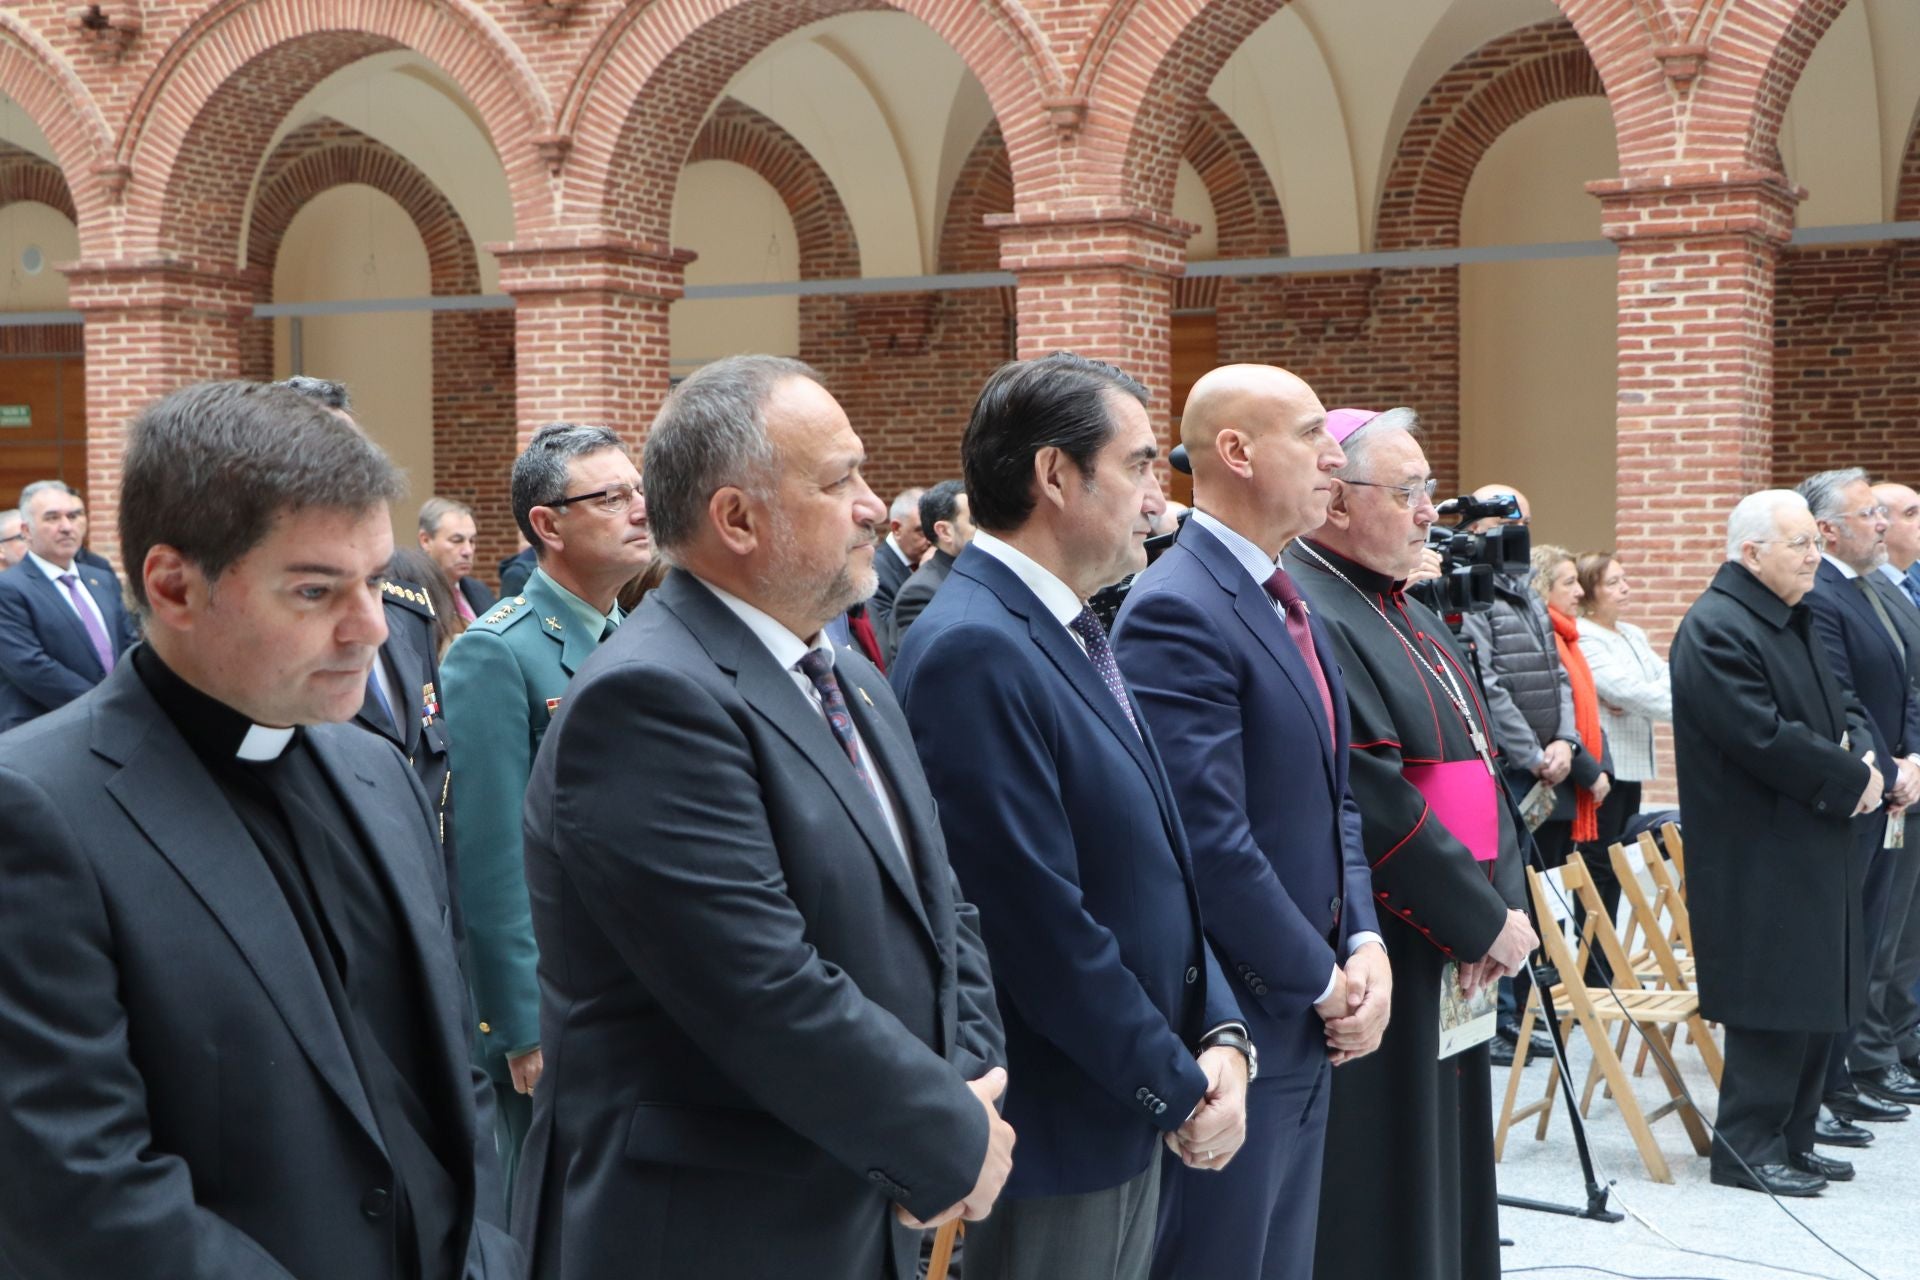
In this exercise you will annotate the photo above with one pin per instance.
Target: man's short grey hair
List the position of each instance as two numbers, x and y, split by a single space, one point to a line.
1358 445
7 517
332 394
38 487
1825 491
540 474
436 509
1756 517
712 433
906 505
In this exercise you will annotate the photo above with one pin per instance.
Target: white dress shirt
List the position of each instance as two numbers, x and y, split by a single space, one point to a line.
787 649
54 573
1260 566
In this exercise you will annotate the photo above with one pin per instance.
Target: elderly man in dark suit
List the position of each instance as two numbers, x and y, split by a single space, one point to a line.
897 556
62 624
1122 1031
231 1023
1228 665
1871 662
770 1039
948 529
1777 771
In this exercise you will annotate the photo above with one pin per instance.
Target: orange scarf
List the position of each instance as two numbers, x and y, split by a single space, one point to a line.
1586 717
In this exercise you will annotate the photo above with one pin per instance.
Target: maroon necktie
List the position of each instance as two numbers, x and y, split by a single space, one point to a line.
1280 586
860 626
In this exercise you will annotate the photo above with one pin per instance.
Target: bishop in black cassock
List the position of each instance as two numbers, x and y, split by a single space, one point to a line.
1408 1191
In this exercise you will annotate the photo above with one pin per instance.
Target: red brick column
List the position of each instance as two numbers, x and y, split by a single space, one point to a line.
1100 284
149 330
1695 426
590 331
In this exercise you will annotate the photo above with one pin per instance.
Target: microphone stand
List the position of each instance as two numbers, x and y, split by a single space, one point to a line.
1595 1209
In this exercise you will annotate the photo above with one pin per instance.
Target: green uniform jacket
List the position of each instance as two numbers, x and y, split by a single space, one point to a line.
504 678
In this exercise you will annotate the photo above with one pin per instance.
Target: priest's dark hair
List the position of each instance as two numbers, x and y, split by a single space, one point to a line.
209 468
1058 402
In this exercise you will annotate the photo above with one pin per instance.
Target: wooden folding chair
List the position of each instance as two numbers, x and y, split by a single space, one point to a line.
1677 851
1596 1010
1648 895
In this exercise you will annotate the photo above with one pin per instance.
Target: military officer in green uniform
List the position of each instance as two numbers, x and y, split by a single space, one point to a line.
577 498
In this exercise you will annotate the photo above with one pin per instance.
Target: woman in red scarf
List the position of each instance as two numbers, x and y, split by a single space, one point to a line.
1557 581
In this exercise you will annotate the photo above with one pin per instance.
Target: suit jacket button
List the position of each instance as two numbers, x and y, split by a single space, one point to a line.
1820 806
485 1030
1159 1108
1259 988
1334 907
376 1203
1141 1095
1193 974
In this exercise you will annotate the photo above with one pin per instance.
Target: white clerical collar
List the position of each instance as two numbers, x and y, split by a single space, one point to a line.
262 743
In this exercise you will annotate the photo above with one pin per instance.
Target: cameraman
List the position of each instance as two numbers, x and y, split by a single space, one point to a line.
1530 701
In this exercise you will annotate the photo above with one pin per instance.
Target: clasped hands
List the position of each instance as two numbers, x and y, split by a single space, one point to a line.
993 1169
1511 947
1357 1009
1218 1125
1556 762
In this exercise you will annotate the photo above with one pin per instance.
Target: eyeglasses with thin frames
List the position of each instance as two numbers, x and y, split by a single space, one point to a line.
1407 493
1799 546
614 499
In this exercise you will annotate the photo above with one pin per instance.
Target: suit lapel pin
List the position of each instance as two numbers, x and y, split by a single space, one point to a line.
429 702
555 624
553 705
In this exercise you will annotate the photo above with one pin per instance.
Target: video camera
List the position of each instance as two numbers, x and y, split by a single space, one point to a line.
1468 561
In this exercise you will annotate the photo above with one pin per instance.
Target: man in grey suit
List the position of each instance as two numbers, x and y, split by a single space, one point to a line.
232 1039
947 523
770 1035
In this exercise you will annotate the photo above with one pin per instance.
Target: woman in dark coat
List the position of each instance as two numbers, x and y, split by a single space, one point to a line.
1771 761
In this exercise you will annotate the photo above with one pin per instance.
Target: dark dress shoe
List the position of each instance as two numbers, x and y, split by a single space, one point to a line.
1778 1179
1861 1107
1499 1052
1821 1167
1891 1083
1832 1132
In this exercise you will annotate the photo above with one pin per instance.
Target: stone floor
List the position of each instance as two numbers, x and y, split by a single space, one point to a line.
1874 1220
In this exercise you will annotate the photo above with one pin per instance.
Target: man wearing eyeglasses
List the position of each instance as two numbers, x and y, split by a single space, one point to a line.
577 499
1870 659
1776 764
13 539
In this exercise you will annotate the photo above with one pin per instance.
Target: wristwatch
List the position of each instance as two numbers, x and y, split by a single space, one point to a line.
1232 1039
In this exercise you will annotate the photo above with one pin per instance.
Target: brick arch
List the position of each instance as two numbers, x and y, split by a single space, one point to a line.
1463 115
736 132
473 375
635 107
1145 75
325 154
26 176
64 109
984 186
1247 214
1906 200
203 118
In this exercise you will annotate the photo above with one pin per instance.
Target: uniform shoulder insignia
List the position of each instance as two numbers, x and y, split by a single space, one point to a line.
507 611
408 594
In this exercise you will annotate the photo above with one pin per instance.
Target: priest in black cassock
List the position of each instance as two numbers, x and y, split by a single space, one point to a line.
1408 1190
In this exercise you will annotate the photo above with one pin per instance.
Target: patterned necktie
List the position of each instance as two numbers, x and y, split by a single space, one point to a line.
95 632
1281 587
1086 625
817 666
1880 612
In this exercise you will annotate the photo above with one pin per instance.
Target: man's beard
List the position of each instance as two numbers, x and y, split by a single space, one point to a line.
807 591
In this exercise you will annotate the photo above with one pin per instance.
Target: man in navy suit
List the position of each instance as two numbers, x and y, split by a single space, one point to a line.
1122 1031
62 625
1240 689
1870 659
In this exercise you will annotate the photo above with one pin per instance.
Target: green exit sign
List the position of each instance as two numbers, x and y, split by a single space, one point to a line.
16 415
